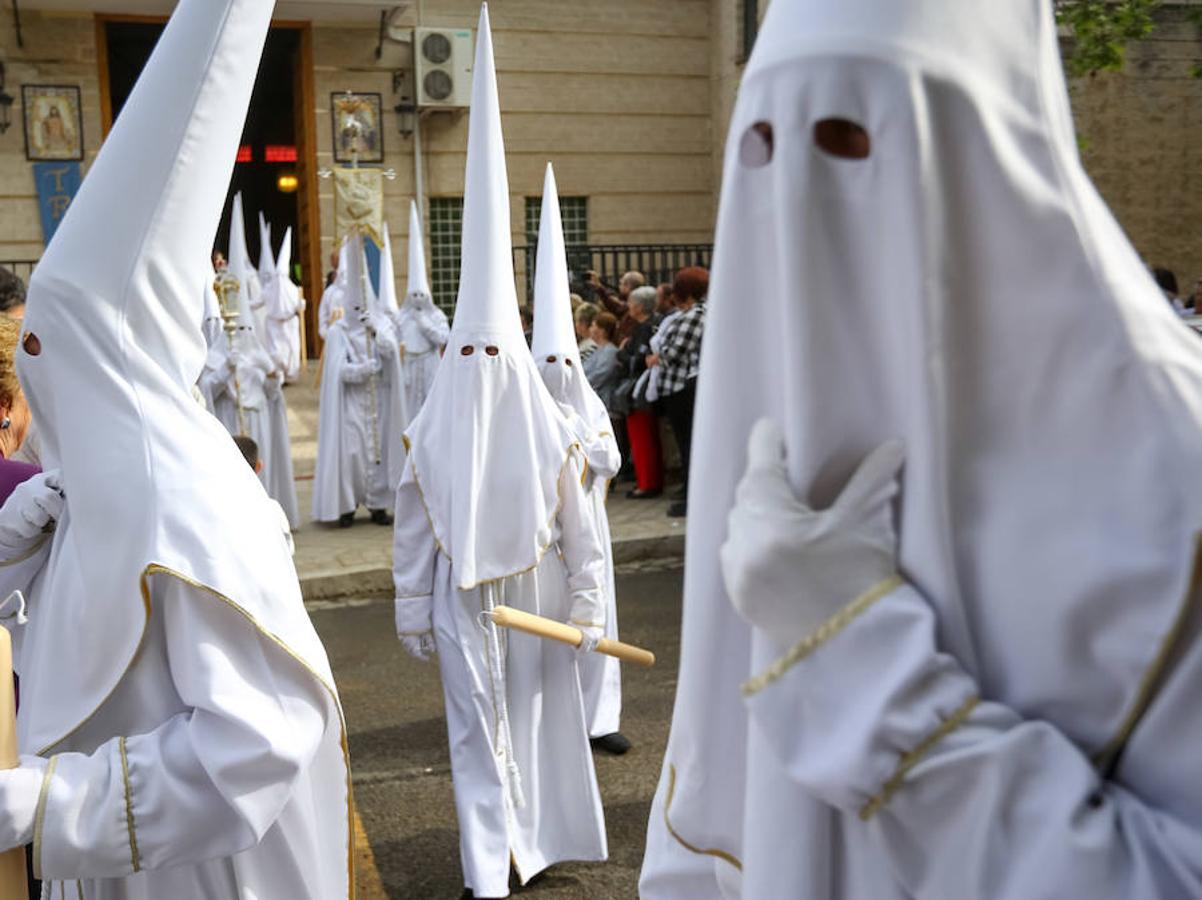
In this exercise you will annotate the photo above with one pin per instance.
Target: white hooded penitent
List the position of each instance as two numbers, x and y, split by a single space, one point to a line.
558 360
554 346
160 502
494 483
954 280
489 428
240 264
422 327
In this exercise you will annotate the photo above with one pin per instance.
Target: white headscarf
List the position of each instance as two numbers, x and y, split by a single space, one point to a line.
964 288
556 353
155 487
489 444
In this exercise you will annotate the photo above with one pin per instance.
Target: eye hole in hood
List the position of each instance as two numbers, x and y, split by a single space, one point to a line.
842 138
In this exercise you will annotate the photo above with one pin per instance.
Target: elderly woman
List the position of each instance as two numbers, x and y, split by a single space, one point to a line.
601 368
642 424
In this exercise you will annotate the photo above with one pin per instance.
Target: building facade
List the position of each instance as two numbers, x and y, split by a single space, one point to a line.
630 99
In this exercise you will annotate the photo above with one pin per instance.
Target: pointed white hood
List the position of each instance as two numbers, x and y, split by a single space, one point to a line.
115 304
266 271
387 294
239 256
418 288
489 437
554 345
283 261
962 287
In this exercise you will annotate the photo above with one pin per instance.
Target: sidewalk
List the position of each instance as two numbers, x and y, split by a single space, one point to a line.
335 562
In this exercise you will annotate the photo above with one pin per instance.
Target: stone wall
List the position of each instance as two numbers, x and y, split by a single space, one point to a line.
59 49
1140 132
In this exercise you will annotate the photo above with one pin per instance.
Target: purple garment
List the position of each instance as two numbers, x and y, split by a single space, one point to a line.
13 473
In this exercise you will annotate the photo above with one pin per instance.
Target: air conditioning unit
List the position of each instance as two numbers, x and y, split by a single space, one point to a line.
442 62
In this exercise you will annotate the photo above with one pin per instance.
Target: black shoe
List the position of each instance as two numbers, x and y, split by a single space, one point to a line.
381 517
468 895
639 494
614 743
678 510
346 520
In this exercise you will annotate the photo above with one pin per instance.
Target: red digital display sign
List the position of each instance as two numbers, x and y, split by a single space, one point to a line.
279 153
245 154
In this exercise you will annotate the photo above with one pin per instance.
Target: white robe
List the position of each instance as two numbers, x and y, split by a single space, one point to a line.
562 818
266 418
347 473
601 675
423 334
210 793
282 334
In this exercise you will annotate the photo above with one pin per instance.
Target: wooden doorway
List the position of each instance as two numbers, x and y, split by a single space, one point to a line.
277 167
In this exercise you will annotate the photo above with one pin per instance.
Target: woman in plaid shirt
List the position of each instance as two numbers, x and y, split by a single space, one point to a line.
678 360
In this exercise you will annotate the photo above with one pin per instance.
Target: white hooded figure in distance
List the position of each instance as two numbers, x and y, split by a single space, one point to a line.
491 511
557 356
333 298
421 326
948 652
241 386
240 263
361 422
188 737
283 306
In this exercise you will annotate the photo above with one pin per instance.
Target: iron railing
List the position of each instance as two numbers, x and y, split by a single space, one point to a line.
22 268
657 262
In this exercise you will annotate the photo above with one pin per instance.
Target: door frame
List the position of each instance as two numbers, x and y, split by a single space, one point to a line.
308 204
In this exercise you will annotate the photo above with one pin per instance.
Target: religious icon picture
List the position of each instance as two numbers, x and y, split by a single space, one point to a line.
358 135
53 122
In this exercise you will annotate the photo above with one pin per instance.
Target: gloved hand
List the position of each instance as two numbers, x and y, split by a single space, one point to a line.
789 568
415 627
419 646
592 637
19 791
31 509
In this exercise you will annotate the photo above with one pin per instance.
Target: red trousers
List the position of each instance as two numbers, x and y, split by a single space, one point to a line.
643 428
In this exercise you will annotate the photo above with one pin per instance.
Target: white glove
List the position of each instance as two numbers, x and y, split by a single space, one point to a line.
19 791
31 509
592 637
415 627
789 568
419 646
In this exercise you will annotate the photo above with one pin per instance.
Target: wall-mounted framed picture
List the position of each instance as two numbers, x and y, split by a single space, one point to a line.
358 131
53 121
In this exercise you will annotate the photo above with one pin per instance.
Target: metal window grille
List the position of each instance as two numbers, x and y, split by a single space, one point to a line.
573 211
446 239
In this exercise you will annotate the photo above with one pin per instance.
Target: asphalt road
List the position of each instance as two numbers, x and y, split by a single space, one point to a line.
402 774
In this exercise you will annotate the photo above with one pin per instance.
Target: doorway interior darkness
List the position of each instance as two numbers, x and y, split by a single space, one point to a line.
270 124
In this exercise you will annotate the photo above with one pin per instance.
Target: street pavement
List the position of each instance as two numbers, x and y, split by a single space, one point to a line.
398 741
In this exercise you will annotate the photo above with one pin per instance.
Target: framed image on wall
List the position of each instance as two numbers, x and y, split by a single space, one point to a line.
53 122
358 128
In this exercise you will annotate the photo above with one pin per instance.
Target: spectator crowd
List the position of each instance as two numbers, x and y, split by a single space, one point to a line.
641 346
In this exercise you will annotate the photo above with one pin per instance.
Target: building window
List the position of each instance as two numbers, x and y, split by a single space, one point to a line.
446 241
749 27
573 211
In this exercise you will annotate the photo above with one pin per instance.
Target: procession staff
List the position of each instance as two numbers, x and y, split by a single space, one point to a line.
491 512
557 357
949 649
188 735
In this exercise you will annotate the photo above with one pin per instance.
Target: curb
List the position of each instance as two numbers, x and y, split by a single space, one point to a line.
375 579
